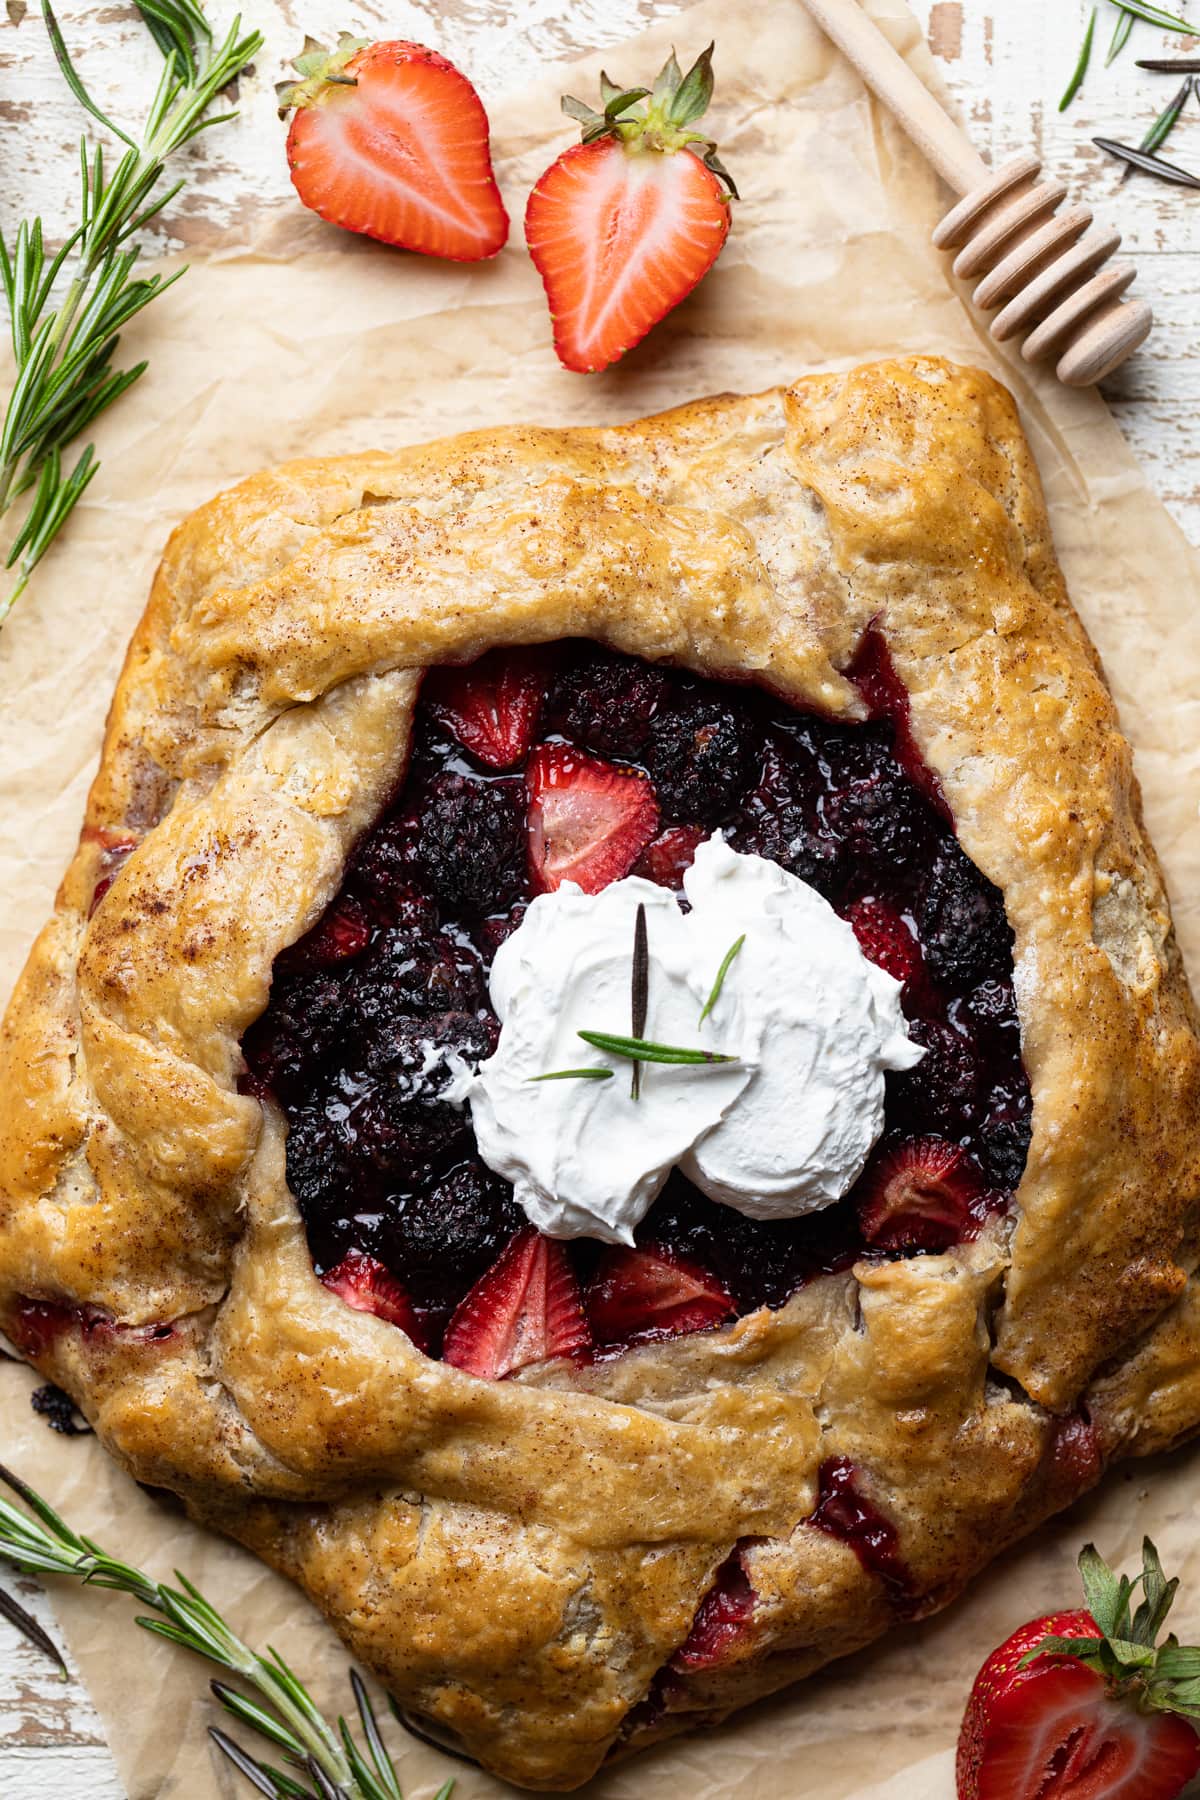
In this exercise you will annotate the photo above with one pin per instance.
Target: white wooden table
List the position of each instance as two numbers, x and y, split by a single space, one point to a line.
1006 62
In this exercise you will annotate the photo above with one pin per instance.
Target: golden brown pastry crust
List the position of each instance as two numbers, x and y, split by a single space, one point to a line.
518 1559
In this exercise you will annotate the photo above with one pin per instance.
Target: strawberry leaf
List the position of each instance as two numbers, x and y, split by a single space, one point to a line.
1159 1594
1131 1655
695 92
1084 1650
1179 1662
667 82
1102 1590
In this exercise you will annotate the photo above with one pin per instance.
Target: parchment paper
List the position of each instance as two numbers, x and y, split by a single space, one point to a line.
310 342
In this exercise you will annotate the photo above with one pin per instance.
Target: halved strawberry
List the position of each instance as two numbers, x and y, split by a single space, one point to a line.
390 140
652 1293
623 226
668 857
344 932
588 821
885 938
1096 1715
492 706
918 1195
524 1310
367 1286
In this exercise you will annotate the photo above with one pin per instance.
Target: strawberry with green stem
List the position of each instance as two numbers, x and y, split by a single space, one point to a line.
625 224
390 140
1087 1705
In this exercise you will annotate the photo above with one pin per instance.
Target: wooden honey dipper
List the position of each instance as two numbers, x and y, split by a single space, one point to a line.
1046 271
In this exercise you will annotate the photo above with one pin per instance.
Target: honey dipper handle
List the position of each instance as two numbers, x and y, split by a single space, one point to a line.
885 71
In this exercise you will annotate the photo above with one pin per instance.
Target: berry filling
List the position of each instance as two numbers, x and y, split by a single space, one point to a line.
846 1514
531 768
720 1621
37 1324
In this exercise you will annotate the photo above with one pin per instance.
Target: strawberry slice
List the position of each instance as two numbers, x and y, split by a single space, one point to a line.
1091 1718
367 1286
624 225
344 932
492 706
918 1196
649 1293
391 141
588 821
524 1310
885 938
668 857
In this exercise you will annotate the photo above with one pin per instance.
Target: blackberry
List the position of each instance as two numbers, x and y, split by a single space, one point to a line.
320 1159
413 1044
961 923
412 973
403 1129
403 1133
382 871
778 821
607 702
469 836
873 809
491 932
59 1411
702 754
942 1093
991 1006
308 1018
441 1240
1005 1134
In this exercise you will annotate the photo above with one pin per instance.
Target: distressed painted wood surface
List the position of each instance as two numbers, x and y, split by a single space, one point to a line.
1006 63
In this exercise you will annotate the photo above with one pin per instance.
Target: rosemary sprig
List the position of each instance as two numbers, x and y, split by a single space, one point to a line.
639 991
65 346
722 972
638 1049
281 1711
1081 66
574 1075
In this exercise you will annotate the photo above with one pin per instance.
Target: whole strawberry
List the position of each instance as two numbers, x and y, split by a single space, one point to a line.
623 226
391 141
1085 1705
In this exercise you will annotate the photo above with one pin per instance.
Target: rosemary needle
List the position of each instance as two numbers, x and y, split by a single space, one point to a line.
1120 37
1154 15
1152 165
25 1623
722 972
1165 122
637 1049
574 1075
1081 66
640 992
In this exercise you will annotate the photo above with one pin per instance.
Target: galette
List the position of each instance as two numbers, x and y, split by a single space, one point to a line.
610 1086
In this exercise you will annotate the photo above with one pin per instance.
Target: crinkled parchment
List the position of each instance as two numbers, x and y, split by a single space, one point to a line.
310 343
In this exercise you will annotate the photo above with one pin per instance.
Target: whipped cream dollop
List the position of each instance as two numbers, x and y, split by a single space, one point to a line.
782 1130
